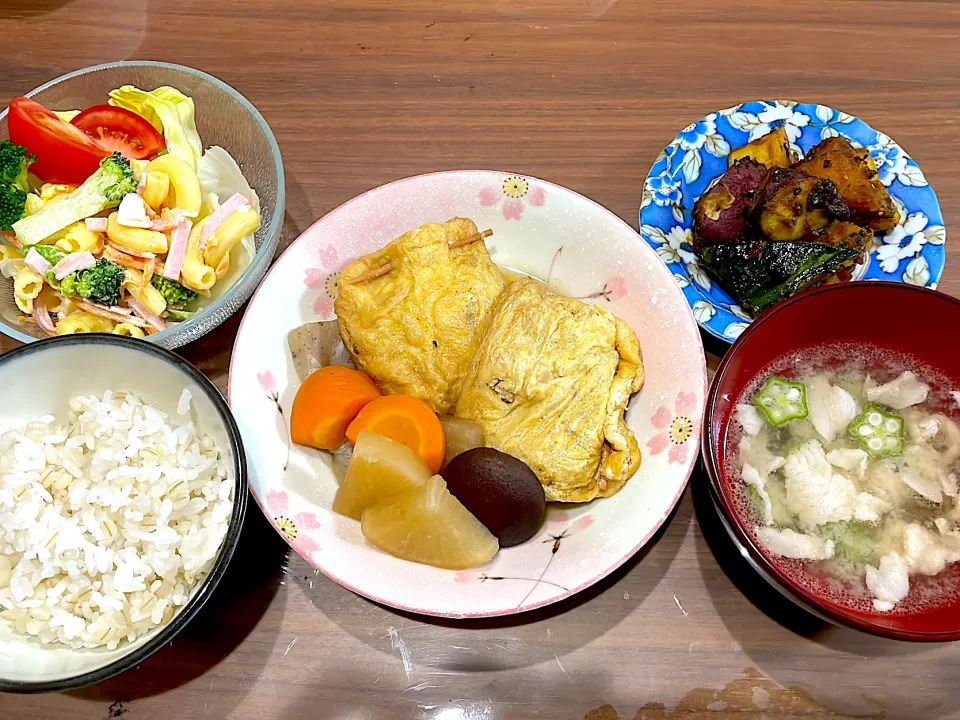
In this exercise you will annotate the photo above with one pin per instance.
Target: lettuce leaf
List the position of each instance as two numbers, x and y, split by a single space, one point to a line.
169 111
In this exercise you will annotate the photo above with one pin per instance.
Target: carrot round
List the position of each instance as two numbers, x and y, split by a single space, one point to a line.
326 403
406 420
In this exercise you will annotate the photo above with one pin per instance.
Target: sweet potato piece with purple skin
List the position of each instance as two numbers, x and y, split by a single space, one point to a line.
794 205
722 213
772 150
854 173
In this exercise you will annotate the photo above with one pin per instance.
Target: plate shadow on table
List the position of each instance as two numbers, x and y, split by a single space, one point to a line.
531 638
229 616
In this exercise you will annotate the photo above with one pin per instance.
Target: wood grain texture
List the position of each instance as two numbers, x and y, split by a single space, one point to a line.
584 93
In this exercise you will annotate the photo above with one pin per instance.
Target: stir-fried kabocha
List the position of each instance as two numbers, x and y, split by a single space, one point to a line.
770 226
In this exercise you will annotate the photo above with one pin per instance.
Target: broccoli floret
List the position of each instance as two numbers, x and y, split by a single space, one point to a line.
14 161
101 283
176 295
104 189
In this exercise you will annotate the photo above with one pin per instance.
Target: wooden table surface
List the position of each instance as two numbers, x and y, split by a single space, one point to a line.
583 93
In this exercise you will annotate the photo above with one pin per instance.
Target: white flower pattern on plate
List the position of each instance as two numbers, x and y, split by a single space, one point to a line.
703 311
700 135
773 115
893 163
914 229
670 249
828 118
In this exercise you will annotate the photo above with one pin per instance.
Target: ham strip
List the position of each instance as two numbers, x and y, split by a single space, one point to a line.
74 262
96 224
42 317
153 320
235 203
178 248
103 312
37 262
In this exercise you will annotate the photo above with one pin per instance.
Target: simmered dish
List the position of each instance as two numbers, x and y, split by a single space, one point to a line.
457 401
856 474
114 219
773 225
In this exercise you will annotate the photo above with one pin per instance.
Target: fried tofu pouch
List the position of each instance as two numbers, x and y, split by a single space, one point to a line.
550 385
416 329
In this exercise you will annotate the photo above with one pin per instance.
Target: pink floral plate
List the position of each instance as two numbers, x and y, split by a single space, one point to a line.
540 229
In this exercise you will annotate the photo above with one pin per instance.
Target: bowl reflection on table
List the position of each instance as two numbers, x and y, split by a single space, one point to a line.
158 377
901 318
225 118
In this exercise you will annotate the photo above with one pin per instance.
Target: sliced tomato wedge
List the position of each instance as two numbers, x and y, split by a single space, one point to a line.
64 153
121 130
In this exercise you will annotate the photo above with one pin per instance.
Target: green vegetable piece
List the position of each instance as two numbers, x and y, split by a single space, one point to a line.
760 274
879 432
104 189
179 315
14 161
853 542
782 400
50 253
101 283
176 295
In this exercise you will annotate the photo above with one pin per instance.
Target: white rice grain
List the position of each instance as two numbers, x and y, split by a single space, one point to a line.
107 521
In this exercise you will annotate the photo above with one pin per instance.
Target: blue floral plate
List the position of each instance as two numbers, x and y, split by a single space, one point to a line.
912 252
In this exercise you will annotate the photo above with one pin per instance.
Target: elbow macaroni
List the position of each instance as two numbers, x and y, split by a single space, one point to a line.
231 231
156 189
84 322
195 273
138 239
8 252
80 238
183 182
129 330
26 287
145 294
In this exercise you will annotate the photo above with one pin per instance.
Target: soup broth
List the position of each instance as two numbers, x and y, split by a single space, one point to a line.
848 460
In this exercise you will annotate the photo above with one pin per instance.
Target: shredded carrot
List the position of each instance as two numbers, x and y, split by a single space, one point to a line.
121 258
147 274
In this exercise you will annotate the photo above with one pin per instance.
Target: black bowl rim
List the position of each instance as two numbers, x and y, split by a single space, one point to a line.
272 233
165 633
745 543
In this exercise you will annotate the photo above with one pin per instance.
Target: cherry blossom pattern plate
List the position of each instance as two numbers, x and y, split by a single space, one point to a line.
912 252
537 226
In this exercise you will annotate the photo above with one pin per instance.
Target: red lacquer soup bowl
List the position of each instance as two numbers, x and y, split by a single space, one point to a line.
901 319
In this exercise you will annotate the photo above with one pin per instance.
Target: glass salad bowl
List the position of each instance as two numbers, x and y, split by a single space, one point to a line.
224 118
